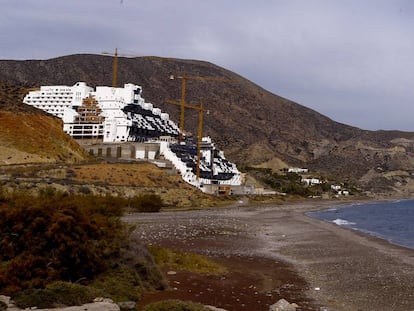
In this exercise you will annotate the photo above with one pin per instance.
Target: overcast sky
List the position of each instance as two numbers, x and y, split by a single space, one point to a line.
351 60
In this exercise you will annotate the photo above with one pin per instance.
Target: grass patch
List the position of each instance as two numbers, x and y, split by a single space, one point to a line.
191 262
56 294
121 284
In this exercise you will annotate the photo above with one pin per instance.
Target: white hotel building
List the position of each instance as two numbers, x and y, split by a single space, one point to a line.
57 99
115 115
123 113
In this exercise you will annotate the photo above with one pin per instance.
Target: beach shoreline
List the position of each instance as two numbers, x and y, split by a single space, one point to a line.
336 268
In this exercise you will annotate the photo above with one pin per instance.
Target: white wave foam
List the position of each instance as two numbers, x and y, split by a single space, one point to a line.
343 222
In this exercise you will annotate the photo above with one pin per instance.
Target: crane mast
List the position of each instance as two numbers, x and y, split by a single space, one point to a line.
200 109
183 104
115 69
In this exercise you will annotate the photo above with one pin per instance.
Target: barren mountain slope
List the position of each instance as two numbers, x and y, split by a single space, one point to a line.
253 125
29 135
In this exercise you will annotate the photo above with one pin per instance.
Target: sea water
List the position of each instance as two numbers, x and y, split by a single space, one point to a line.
392 221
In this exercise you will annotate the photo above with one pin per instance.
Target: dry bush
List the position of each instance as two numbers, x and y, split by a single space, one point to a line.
57 237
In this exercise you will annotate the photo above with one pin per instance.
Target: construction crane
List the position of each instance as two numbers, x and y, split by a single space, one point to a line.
200 109
115 55
114 66
183 104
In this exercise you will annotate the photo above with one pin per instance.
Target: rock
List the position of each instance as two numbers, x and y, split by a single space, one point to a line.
7 304
127 305
95 306
100 304
214 308
102 299
4 302
5 299
282 305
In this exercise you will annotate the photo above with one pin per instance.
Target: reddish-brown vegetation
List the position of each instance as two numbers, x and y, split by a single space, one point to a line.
56 237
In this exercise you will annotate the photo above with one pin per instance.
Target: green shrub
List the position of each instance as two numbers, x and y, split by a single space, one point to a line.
286 182
146 203
130 274
175 305
84 190
56 294
191 262
121 284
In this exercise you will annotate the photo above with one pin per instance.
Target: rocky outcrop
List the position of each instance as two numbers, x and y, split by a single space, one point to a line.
215 308
283 305
100 304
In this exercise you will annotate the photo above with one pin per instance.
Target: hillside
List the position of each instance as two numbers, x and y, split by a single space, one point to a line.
29 135
252 125
99 178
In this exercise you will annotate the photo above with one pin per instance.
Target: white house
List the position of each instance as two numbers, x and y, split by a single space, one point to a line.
336 187
297 170
311 181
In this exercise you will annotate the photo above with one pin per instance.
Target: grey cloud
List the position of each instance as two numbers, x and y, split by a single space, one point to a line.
345 59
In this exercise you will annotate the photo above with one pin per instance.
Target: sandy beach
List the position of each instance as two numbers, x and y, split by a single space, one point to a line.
277 252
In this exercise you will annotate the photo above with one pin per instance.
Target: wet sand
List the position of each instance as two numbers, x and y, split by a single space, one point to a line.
277 252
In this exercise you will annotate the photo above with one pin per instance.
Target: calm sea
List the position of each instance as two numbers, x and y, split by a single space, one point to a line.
391 221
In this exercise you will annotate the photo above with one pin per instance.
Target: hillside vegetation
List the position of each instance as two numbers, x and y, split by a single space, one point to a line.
116 179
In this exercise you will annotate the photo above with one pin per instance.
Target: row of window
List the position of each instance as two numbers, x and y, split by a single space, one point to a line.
85 132
30 101
54 96
47 106
57 93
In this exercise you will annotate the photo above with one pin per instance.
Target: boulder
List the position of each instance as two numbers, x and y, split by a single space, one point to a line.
7 304
282 305
95 306
214 308
101 305
127 305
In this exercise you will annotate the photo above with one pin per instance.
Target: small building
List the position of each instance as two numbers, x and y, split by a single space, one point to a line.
297 170
335 187
343 192
311 181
